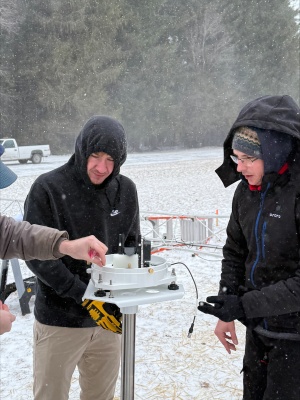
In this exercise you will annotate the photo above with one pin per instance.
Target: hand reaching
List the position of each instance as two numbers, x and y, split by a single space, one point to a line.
88 248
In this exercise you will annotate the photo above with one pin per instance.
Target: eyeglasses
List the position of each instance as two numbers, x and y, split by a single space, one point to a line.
245 160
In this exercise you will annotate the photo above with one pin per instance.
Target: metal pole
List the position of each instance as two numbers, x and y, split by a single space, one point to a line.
128 354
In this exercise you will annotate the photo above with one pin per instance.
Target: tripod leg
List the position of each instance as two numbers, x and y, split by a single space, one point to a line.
3 279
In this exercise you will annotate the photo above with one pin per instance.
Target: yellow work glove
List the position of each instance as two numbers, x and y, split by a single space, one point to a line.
108 315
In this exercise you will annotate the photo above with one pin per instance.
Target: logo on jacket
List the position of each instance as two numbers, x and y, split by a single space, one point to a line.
275 215
114 213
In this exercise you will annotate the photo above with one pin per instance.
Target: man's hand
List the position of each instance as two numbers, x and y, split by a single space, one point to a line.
227 307
107 315
6 318
225 332
88 248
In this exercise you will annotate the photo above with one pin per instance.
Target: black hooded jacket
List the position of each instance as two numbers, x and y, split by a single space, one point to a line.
262 250
66 199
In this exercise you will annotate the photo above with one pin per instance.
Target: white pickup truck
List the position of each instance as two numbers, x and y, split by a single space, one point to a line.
23 154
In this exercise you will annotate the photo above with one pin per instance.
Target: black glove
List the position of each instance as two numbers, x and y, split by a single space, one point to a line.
227 307
108 315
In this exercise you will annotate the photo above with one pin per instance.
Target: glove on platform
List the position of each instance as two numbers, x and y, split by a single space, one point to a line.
227 308
107 315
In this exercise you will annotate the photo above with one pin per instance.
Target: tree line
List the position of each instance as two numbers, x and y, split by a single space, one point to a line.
174 72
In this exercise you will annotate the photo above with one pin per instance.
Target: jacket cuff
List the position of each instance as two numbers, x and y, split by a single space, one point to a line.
56 252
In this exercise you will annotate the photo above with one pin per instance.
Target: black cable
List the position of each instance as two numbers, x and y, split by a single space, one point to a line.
192 324
191 328
190 274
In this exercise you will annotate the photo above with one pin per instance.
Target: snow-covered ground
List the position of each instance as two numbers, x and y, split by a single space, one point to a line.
169 365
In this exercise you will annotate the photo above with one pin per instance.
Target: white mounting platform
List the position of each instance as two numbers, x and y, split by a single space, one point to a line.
135 297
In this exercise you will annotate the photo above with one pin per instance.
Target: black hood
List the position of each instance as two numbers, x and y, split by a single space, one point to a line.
100 133
278 114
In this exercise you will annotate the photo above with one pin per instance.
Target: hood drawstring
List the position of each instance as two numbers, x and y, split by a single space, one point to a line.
113 205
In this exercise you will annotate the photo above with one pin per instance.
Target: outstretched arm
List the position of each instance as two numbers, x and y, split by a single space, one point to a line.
27 242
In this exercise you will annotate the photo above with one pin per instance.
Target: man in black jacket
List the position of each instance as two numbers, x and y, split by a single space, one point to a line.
86 196
260 279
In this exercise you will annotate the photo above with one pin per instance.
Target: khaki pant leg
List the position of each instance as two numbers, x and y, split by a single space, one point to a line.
57 351
99 366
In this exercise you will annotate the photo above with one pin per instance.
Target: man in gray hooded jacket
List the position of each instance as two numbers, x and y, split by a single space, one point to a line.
86 196
260 278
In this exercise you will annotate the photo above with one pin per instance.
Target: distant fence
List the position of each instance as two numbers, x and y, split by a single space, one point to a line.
166 230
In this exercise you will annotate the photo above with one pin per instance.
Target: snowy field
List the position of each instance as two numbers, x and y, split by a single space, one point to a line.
169 365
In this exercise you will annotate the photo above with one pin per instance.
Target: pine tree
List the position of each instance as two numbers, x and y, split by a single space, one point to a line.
265 36
10 18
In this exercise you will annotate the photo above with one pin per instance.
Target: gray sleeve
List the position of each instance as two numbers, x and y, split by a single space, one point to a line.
27 242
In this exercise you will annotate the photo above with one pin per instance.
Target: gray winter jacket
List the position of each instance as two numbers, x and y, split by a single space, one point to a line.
27 242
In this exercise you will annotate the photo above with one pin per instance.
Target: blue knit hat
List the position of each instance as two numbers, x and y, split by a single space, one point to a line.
7 176
246 140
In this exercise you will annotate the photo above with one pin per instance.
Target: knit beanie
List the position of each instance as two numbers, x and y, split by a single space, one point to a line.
246 140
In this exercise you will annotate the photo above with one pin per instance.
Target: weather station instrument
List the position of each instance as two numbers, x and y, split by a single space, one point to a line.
129 279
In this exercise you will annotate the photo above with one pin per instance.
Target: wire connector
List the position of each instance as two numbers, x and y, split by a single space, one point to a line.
191 329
